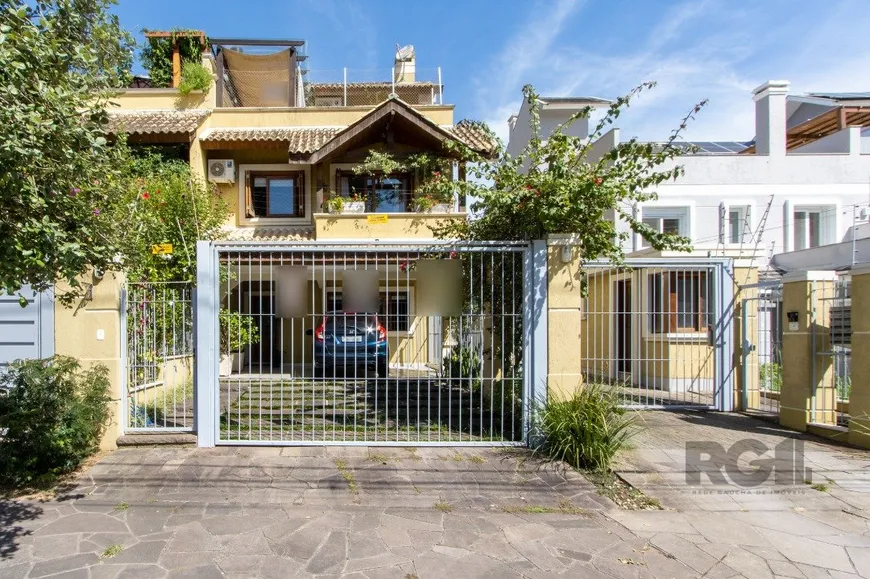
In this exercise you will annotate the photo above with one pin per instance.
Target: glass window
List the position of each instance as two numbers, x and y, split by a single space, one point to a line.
393 309
381 193
678 302
811 226
670 220
276 195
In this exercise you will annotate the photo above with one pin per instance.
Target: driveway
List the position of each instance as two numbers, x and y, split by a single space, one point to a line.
425 513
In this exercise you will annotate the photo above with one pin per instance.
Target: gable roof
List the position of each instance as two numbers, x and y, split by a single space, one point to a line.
393 114
156 121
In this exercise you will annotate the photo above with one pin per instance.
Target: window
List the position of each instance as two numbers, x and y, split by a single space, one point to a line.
274 194
678 302
381 193
738 227
666 220
810 226
393 308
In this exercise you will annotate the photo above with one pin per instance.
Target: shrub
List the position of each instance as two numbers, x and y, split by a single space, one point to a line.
585 430
770 375
237 331
194 76
464 367
53 415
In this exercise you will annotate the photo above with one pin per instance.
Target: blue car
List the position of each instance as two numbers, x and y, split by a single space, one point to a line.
346 341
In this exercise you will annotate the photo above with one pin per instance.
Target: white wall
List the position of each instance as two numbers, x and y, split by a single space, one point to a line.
551 118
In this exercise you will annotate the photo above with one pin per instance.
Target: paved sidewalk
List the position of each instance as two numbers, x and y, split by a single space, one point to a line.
428 513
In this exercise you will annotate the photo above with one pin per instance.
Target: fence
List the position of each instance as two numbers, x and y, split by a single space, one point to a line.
418 343
657 332
329 88
832 351
157 324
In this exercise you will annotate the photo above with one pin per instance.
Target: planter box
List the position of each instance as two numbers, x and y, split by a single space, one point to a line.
231 364
438 208
354 207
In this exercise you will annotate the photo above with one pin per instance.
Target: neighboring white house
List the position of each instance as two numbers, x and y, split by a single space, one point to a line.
801 183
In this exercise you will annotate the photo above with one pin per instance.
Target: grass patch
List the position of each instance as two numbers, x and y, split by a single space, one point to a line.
348 476
821 487
444 507
121 507
620 492
381 458
111 551
476 459
413 452
411 576
565 507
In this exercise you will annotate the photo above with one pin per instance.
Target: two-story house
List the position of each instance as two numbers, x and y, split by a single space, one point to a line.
277 144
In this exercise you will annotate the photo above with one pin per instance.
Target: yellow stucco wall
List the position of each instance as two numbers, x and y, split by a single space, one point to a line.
161 98
565 305
859 400
76 335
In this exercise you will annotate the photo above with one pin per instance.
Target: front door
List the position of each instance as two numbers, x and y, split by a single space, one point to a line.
623 326
263 310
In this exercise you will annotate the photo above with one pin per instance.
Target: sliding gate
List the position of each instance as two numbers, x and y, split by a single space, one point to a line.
388 343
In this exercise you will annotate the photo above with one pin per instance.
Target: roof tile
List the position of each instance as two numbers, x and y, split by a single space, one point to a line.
268 234
299 139
156 121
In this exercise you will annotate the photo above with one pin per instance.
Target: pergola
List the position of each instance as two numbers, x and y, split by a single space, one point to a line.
823 125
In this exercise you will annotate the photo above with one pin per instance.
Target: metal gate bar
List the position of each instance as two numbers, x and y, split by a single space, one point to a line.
157 326
657 332
402 370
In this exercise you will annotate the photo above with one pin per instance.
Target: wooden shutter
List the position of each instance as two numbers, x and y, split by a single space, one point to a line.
249 202
673 322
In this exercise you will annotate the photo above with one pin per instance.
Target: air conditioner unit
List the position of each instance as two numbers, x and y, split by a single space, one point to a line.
222 171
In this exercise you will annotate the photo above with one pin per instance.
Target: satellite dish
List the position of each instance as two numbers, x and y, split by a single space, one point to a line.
405 53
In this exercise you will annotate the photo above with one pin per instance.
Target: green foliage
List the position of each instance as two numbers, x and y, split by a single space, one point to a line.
556 186
770 375
334 204
164 203
54 414
60 62
843 386
194 76
431 174
585 430
237 331
156 56
464 366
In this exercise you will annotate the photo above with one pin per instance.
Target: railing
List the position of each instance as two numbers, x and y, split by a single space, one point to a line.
329 88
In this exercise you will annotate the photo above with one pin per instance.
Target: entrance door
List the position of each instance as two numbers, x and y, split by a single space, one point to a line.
623 326
263 310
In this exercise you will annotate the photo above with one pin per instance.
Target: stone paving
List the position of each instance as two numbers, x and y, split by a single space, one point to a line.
439 512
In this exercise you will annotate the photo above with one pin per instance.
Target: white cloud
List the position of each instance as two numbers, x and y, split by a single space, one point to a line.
715 49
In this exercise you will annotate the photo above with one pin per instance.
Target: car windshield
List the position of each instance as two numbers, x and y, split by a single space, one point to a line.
342 321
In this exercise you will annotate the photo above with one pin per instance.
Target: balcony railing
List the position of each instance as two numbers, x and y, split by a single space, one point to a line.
391 201
329 88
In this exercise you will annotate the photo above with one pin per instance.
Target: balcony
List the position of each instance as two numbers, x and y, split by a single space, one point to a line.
384 214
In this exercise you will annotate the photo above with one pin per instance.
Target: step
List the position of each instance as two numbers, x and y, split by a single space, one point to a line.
157 438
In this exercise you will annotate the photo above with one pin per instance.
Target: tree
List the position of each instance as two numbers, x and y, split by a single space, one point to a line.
164 203
60 62
555 187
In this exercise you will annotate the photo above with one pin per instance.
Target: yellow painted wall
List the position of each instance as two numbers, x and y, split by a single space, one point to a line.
161 98
565 304
310 116
76 335
397 226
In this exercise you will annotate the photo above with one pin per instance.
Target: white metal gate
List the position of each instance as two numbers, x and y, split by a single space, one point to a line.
761 348
383 343
158 356
659 331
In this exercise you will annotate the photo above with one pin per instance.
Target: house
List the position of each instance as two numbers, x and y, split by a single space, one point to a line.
277 144
802 182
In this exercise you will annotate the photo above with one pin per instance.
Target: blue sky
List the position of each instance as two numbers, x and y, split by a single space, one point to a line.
695 49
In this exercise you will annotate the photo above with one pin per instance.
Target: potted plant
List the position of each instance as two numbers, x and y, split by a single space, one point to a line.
335 204
431 204
354 204
237 332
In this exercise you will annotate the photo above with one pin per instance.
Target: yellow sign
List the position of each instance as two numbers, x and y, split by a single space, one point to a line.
161 249
377 218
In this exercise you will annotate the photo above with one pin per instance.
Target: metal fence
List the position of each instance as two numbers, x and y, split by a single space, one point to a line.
658 332
360 87
368 344
157 324
761 348
831 330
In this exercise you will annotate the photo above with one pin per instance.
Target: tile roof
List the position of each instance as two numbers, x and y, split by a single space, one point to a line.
156 121
299 139
267 234
474 136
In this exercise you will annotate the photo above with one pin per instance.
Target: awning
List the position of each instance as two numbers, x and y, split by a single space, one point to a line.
298 140
267 234
833 257
157 122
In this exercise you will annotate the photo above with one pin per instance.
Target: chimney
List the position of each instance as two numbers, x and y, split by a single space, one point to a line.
512 122
770 119
405 66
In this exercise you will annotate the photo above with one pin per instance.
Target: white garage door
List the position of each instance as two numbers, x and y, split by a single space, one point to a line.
26 332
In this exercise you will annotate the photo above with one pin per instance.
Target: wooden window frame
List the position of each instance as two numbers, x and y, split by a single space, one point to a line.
299 187
670 284
383 294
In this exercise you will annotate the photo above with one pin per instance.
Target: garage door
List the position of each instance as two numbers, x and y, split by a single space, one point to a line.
26 332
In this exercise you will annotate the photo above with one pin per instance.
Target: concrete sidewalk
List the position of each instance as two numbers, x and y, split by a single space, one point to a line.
438 512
